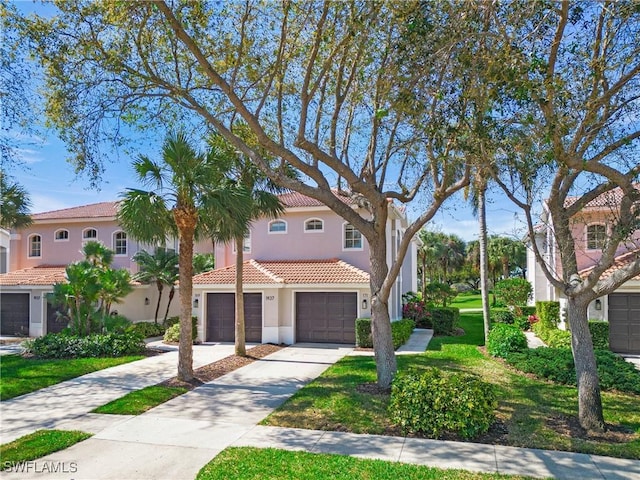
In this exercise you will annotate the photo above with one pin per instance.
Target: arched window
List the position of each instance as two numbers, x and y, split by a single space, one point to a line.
314 225
90 234
35 246
278 226
120 243
596 236
352 238
61 235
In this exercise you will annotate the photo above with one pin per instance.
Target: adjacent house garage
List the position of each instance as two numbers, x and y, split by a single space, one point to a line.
624 322
221 317
14 314
326 317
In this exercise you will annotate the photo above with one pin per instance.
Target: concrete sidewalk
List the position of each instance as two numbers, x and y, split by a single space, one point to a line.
51 406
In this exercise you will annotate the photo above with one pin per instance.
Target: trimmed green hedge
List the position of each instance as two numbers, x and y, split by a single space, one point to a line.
556 364
549 315
505 339
528 310
503 316
400 332
600 334
444 319
147 329
172 334
55 345
437 402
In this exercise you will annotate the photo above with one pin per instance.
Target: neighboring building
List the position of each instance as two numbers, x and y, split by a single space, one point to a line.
38 256
5 239
305 277
590 230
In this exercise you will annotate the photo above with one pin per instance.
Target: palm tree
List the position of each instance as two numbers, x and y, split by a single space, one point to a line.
187 189
14 204
160 268
115 284
261 201
97 254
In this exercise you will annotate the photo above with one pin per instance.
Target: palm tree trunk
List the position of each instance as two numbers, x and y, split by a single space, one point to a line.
186 222
484 260
160 288
172 293
240 347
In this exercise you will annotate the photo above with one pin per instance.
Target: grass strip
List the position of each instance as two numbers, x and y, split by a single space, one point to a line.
140 401
22 375
270 463
38 444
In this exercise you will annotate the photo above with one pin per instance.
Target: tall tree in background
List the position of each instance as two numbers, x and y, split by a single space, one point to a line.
186 190
570 82
14 204
369 95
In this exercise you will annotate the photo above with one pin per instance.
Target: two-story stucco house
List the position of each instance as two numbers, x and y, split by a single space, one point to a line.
590 229
305 277
38 255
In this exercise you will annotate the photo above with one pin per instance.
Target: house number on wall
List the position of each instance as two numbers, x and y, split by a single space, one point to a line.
270 297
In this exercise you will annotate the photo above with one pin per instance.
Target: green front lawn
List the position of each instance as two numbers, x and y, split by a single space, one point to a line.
269 463
532 411
139 401
24 375
38 444
467 301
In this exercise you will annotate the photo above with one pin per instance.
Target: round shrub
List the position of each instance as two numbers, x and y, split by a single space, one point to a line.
147 329
503 316
73 346
522 323
437 402
172 334
558 338
505 339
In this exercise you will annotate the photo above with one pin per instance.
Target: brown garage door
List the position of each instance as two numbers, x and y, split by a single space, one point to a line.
55 324
624 322
221 312
326 317
14 314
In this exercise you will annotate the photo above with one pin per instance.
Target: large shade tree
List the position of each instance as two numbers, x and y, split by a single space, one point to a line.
369 97
186 187
569 77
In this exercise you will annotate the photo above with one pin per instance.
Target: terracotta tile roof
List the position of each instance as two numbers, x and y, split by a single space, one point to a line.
618 263
609 199
95 210
44 275
330 271
295 199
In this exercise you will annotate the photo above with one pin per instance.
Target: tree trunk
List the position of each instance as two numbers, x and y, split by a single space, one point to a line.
240 334
380 321
484 260
505 268
589 400
160 288
186 223
172 293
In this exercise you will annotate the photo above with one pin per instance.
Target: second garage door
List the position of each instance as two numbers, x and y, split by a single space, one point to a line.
326 317
624 322
221 312
14 314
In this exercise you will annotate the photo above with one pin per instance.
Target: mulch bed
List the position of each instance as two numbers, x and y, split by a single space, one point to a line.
228 364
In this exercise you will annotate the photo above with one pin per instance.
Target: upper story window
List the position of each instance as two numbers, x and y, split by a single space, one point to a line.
278 226
352 238
314 225
596 237
90 234
120 243
35 246
61 235
246 244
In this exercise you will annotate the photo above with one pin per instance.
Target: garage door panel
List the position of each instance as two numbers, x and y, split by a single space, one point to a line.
221 313
14 314
326 317
624 322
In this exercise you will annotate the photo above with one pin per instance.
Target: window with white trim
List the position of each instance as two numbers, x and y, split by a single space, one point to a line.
314 225
596 236
120 243
90 234
61 235
246 244
277 226
352 238
35 246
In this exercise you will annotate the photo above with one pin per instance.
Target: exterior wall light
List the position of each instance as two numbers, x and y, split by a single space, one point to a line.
598 304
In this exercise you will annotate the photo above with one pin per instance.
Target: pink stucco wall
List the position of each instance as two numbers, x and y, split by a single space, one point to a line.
296 244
